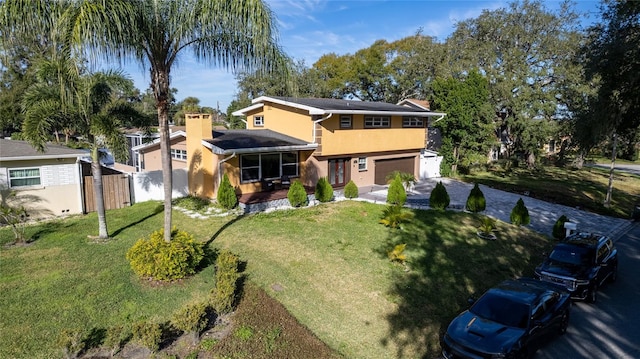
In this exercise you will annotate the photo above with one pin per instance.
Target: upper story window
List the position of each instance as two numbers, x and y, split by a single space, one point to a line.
179 154
410 121
377 121
258 121
24 177
345 121
362 164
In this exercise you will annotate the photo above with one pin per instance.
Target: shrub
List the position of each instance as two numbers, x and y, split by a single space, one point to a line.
394 216
224 294
71 342
439 197
191 319
487 225
226 194
396 194
114 338
397 254
297 195
407 179
156 258
208 344
324 191
558 228
476 202
13 215
520 214
148 334
351 190
192 203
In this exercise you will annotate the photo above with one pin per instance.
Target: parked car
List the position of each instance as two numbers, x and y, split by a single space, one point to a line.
511 320
582 262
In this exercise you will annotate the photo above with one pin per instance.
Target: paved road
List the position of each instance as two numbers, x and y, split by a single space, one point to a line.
633 169
499 205
609 328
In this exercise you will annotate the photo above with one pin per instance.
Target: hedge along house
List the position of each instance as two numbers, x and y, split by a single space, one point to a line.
306 139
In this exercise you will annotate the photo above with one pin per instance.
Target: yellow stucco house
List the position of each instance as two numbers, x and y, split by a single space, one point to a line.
305 139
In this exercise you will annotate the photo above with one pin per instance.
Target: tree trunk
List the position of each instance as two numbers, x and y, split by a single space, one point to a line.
96 172
531 160
578 162
160 82
607 200
454 165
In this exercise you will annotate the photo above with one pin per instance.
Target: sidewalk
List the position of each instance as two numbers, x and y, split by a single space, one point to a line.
500 203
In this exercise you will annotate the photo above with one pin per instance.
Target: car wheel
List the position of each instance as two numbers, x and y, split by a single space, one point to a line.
592 296
564 322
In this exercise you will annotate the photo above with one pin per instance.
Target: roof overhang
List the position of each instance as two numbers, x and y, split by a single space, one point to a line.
42 157
259 102
243 111
155 142
221 151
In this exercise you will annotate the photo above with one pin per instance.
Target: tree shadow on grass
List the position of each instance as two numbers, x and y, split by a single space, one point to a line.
447 264
159 209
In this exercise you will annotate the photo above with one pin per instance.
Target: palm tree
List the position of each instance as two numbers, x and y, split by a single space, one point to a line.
65 93
238 34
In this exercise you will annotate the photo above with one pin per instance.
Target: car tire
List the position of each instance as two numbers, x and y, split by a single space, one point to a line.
592 296
564 322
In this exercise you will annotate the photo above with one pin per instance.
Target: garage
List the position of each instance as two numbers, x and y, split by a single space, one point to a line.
385 167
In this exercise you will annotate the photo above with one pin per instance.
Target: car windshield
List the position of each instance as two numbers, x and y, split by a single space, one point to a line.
503 310
572 255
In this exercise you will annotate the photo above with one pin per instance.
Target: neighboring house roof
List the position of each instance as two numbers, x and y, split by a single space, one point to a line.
421 104
324 106
13 150
156 142
250 141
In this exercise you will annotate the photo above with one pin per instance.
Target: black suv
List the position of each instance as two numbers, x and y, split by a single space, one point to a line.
582 262
511 320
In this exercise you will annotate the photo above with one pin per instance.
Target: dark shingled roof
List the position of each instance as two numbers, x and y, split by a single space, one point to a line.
348 105
238 140
13 150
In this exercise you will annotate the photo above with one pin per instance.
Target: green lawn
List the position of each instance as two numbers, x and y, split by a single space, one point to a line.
327 265
585 188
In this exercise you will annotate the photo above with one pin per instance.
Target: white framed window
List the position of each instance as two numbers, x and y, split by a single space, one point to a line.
258 121
410 121
377 121
255 167
345 121
362 164
24 177
179 154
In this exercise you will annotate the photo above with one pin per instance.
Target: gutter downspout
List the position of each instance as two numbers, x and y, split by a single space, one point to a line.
441 117
220 167
81 184
317 122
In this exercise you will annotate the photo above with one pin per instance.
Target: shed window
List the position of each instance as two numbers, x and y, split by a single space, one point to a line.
258 121
408 121
345 121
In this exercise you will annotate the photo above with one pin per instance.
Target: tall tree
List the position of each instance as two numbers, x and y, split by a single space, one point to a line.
467 130
65 93
613 63
527 53
232 34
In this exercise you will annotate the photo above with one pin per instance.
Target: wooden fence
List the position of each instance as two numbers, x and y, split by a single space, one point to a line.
115 190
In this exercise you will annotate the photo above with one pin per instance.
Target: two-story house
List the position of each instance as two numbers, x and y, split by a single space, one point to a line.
305 139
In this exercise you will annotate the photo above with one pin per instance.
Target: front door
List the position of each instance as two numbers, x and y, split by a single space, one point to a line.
337 172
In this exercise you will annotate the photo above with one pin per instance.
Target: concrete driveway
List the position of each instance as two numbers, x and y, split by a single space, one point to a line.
500 203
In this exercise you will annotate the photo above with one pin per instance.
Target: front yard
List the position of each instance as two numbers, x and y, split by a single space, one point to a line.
327 265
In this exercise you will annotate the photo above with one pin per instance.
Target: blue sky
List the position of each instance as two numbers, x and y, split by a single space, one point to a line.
309 29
